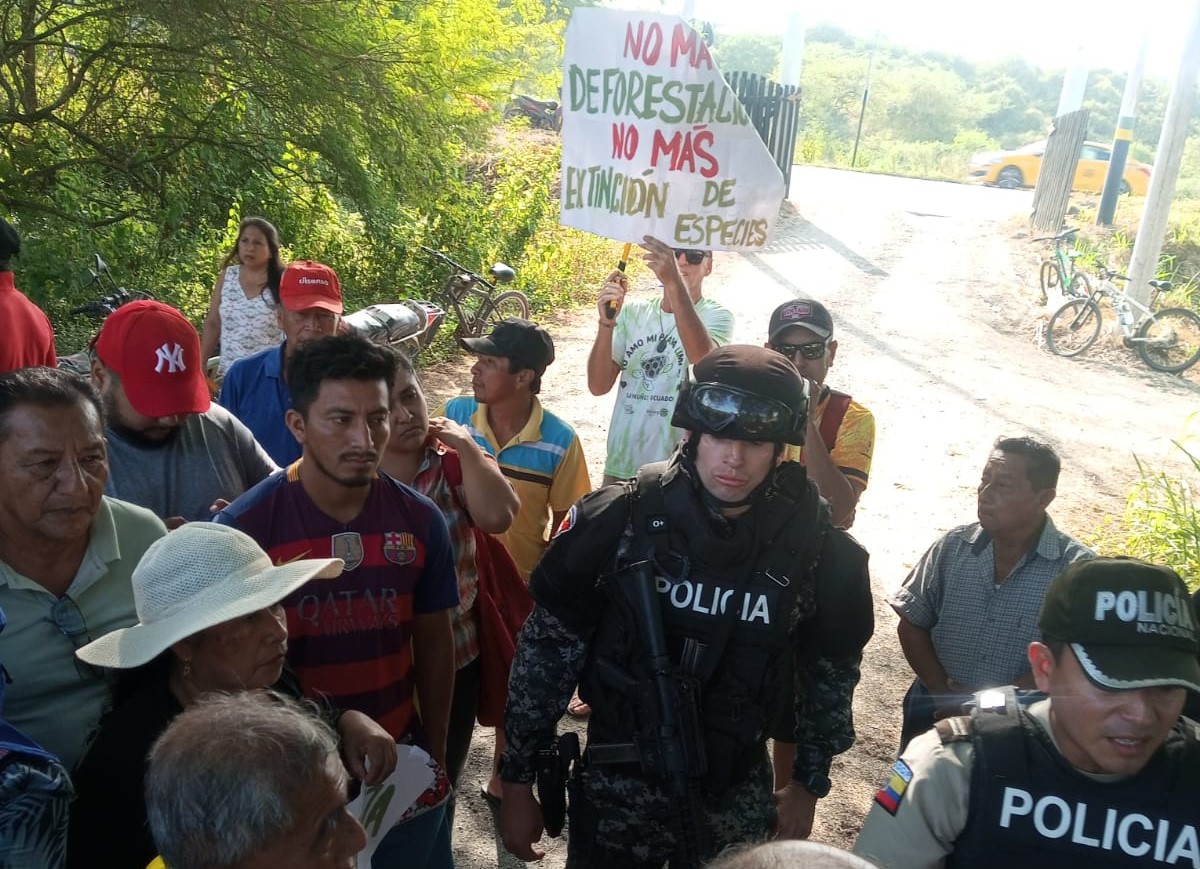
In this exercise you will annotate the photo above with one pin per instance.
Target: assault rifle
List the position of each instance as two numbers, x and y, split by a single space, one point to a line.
669 743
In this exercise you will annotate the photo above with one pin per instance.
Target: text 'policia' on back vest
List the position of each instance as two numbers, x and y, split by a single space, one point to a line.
1030 809
698 592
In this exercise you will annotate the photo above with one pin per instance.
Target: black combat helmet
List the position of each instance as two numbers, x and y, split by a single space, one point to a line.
744 393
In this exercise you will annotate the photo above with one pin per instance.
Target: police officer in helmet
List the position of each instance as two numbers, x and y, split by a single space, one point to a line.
1097 770
744 576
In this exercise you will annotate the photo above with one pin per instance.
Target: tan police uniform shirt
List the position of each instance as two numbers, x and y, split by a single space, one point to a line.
932 810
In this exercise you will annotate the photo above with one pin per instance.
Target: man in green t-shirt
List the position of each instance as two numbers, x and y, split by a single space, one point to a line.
649 344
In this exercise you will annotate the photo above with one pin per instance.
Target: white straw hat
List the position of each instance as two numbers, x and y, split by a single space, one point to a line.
197 576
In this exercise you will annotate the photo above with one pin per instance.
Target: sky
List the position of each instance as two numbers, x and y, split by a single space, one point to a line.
1047 33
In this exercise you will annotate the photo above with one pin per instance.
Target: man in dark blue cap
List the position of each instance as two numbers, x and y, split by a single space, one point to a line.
1098 769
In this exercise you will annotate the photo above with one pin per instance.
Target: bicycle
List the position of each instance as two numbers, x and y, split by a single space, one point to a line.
1168 340
471 297
1060 271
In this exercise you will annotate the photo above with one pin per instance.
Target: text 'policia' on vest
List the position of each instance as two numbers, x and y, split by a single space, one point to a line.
1028 804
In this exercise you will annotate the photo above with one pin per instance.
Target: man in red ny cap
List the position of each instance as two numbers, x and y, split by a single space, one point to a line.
254 389
170 449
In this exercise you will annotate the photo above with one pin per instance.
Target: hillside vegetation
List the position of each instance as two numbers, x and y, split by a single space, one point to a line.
145 129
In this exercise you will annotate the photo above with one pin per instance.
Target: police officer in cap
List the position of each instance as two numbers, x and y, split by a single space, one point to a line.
744 572
1099 770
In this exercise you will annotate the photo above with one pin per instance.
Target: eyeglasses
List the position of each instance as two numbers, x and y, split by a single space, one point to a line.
726 410
809 350
693 257
69 620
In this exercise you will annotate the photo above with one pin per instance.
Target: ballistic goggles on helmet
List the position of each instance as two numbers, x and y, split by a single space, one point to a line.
729 412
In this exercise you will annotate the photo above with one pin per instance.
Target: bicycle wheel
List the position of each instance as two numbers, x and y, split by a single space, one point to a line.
1073 328
511 303
1079 287
1051 277
1170 340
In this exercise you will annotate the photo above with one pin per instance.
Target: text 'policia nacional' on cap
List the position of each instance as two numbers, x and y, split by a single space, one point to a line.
1130 624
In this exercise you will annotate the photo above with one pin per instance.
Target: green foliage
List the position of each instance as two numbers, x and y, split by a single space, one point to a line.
145 130
1180 258
747 52
520 216
1161 522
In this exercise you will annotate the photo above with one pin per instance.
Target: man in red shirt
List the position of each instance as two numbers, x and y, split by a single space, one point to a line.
28 339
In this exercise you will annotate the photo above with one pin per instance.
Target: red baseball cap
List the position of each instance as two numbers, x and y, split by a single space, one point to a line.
156 353
306 284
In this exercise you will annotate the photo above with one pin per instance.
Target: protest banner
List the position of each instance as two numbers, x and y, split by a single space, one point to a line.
654 142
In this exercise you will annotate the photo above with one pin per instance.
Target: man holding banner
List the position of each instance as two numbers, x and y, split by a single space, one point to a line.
650 344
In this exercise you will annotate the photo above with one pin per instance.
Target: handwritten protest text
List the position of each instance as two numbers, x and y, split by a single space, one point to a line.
604 187
633 93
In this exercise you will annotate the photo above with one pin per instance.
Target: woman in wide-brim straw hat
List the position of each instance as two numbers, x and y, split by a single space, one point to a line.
209 619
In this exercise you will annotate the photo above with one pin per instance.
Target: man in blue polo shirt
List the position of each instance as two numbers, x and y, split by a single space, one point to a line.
254 389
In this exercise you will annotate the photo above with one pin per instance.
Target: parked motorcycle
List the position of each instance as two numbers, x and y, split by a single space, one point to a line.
409 324
98 309
542 114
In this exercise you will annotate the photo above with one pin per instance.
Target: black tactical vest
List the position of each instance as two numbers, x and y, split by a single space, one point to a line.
1030 809
702 580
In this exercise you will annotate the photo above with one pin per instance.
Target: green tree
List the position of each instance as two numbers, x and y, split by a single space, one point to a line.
145 127
740 52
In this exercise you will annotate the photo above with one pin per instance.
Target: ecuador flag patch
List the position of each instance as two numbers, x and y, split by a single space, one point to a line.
890 794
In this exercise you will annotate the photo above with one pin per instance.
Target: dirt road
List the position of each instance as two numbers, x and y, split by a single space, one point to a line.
936 328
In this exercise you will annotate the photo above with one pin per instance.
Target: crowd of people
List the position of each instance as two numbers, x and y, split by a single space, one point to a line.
218 620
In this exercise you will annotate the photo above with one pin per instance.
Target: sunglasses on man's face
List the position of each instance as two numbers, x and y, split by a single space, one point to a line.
693 257
809 350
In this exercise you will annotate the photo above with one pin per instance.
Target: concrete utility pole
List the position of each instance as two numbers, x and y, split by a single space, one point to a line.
1153 228
1122 138
793 51
1074 84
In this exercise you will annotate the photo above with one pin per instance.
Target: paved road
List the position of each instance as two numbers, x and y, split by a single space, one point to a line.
937 337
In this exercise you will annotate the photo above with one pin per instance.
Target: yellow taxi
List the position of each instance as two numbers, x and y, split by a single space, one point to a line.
1020 168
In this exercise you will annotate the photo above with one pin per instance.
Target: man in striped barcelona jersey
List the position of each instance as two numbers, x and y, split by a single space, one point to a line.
380 633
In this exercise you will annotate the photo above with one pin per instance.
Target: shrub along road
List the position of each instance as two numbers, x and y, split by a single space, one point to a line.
933 303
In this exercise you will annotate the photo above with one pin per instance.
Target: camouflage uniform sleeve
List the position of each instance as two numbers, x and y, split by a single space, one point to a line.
545 671
824 720
829 656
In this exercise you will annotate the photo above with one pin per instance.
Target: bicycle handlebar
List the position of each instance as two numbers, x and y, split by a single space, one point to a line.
1062 236
443 258
105 305
1159 286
